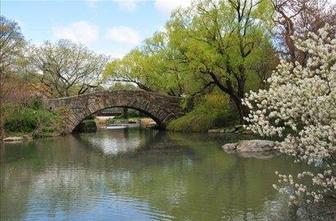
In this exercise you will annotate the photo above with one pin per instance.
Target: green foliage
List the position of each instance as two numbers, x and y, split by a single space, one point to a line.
36 104
12 44
67 68
210 44
30 119
212 111
91 117
122 86
253 82
224 44
151 67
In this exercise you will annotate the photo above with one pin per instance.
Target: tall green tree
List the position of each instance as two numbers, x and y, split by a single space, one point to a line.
11 48
150 67
65 68
11 45
224 43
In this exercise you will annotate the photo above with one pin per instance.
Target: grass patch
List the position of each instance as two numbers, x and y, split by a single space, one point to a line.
212 111
32 118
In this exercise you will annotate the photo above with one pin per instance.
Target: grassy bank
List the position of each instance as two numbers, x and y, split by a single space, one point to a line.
31 118
211 111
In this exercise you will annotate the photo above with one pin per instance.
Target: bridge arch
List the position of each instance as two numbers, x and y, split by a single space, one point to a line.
73 110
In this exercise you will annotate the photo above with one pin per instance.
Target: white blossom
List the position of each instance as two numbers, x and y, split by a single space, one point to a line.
300 107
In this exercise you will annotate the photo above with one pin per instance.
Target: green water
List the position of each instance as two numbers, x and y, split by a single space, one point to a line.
134 174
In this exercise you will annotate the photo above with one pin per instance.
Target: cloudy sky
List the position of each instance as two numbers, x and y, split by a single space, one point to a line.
111 27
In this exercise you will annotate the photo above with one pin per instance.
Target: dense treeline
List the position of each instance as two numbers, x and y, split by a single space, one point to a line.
205 46
229 46
30 73
210 51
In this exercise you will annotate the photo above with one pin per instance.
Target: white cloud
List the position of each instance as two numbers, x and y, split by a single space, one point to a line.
80 32
116 54
167 6
91 3
123 34
127 5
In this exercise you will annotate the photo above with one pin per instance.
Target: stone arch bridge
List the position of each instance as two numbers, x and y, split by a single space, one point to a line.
75 109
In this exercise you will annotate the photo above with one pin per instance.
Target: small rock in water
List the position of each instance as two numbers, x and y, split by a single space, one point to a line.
13 139
255 146
219 130
230 147
252 148
147 123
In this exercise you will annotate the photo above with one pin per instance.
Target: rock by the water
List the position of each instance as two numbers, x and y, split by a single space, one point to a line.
235 129
27 137
13 139
230 147
219 130
147 123
251 148
255 146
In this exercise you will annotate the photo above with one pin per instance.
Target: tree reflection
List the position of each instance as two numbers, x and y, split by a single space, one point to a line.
159 176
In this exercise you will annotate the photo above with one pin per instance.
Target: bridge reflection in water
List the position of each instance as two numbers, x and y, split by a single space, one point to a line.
135 174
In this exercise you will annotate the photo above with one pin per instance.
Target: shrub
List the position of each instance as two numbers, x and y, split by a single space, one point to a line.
32 118
211 111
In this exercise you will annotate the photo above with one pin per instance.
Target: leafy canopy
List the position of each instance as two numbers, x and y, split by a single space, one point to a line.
221 44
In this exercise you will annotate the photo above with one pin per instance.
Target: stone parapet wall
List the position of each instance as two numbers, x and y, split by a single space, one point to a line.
159 107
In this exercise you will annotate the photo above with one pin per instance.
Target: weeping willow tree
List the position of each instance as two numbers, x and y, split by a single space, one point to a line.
151 67
211 44
225 43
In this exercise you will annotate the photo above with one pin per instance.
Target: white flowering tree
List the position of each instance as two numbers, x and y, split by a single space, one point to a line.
300 107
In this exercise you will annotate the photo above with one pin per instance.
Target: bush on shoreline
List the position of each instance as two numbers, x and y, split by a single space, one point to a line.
32 118
212 111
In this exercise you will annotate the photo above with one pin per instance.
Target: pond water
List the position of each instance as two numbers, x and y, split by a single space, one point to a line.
137 174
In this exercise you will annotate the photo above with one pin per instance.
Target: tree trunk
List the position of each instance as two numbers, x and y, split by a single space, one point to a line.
2 131
2 121
242 110
236 97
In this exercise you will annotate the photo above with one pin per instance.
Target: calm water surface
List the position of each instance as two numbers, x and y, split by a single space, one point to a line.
134 174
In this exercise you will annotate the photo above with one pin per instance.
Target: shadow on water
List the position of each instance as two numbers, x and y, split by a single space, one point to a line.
137 174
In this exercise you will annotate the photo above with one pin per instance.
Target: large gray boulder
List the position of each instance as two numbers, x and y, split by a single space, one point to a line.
252 148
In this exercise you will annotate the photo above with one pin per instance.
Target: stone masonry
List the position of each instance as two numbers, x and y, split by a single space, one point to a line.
159 107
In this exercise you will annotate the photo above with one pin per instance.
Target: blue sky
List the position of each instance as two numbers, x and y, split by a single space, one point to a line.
111 27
